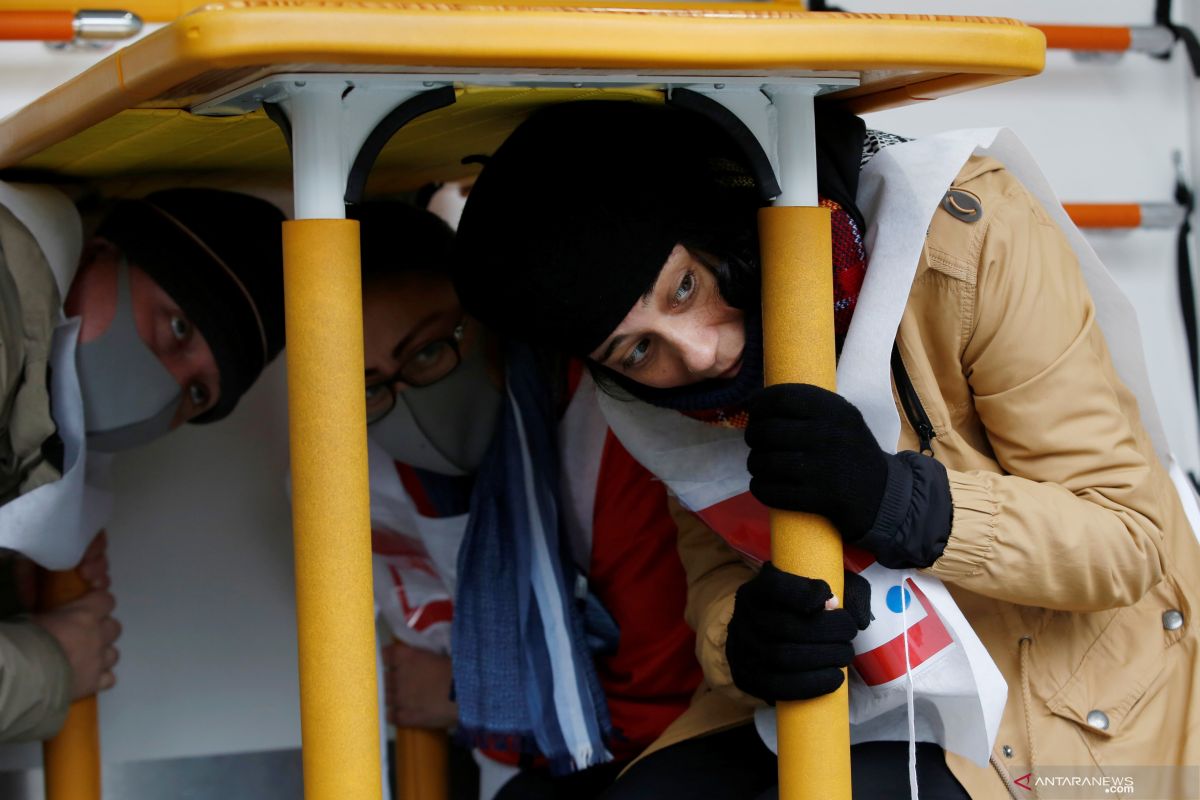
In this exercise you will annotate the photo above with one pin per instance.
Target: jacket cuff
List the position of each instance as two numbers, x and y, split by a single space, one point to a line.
710 652
976 514
35 682
915 514
893 507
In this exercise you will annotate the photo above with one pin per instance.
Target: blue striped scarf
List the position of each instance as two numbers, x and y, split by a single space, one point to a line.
524 678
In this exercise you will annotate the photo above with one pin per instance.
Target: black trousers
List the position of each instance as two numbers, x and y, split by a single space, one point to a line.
736 765
539 784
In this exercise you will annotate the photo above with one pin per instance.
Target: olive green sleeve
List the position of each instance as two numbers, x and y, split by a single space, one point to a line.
35 682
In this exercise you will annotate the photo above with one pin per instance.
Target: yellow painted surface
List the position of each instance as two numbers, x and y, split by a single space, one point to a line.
431 147
71 759
900 58
339 715
422 757
798 347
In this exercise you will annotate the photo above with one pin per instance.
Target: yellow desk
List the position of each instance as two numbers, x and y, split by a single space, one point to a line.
188 98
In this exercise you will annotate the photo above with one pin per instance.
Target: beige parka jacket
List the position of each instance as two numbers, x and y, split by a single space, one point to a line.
1069 554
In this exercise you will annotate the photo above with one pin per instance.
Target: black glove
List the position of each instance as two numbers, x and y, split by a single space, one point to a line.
811 450
783 644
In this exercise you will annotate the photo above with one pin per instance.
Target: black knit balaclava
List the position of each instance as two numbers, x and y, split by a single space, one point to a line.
574 215
219 255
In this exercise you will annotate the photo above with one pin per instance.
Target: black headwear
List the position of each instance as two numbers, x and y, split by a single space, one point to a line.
397 237
219 255
573 217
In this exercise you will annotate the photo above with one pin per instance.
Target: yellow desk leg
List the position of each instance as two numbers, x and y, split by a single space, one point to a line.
421 764
339 716
814 735
71 760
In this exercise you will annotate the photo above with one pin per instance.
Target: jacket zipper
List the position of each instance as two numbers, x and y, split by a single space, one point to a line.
913 409
1005 777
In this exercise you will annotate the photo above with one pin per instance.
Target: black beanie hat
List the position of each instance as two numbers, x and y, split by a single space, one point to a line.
397 237
219 255
574 215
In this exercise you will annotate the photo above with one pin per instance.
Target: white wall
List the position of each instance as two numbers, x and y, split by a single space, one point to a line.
201 542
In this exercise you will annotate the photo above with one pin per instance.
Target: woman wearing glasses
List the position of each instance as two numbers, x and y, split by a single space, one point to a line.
504 509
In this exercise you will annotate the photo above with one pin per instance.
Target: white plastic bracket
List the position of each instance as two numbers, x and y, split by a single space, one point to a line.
781 117
796 143
330 121
331 116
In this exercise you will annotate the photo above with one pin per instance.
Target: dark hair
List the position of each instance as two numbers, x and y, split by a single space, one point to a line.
730 253
399 238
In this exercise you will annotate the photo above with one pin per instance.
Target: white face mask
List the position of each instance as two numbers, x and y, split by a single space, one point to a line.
447 427
129 397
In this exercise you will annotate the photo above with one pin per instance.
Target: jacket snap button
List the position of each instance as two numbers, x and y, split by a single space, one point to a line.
1172 620
1098 720
1008 751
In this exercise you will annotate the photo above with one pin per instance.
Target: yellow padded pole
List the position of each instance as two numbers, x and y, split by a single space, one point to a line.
339 716
71 760
422 757
798 347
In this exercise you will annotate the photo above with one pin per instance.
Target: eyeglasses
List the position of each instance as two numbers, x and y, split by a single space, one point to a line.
423 368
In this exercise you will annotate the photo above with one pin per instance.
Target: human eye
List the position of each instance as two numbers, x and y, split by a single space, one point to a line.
378 401
686 286
181 328
430 364
637 355
198 394
427 354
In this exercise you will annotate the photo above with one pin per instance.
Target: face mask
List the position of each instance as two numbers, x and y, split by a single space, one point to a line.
129 397
447 427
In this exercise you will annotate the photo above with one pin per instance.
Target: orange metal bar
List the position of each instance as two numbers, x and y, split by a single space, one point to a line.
71 760
1086 37
422 757
1105 215
37 26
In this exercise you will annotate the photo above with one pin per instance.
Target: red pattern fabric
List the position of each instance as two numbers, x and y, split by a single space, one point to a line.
732 417
849 266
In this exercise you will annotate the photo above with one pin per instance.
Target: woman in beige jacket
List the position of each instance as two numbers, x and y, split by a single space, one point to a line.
1025 479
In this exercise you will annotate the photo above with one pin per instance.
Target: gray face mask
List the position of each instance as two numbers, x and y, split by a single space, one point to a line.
129 397
447 427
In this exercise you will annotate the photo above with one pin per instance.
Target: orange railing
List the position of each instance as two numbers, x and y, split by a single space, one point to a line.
57 25
1125 215
1154 40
